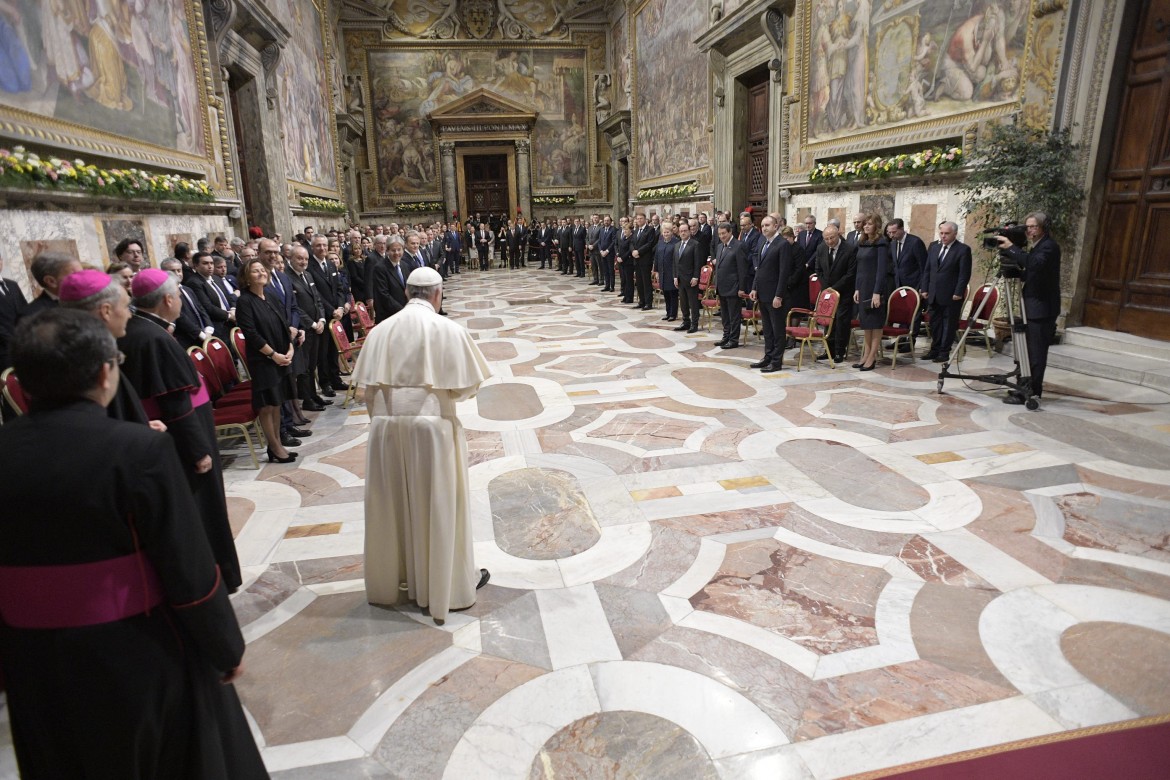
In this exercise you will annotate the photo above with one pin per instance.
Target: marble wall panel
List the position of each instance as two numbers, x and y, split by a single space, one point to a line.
20 226
114 229
923 221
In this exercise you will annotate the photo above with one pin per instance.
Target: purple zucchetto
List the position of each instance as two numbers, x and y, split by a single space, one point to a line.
83 284
147 281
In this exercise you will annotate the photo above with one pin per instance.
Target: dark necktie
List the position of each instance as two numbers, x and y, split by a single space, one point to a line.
832 256
276 283
942 255
398 268
897 249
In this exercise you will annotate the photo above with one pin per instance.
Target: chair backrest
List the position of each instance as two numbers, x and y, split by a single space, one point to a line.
364 318
240 345
13 392
991 293
705 274
826 309
222 361
339 337
206 370
903 307
814 286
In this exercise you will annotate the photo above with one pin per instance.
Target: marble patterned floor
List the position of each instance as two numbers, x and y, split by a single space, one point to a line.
701 571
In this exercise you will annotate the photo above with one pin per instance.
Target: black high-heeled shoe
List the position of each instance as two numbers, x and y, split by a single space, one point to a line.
870 367
273 459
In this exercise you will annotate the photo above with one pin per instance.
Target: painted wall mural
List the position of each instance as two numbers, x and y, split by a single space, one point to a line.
885 64
619 62
127 68
306 102
407 84
671 123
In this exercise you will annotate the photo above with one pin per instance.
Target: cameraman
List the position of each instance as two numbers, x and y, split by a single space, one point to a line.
1040 269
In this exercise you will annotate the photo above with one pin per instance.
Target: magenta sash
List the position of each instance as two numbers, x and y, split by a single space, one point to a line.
80 594
199 396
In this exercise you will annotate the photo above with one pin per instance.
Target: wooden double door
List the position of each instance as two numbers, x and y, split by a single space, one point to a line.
1129 289
486 181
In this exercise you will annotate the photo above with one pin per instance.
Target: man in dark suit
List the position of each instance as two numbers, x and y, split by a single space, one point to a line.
732 282
193 324
48 269
312 334
218 306
642 244
580 241
592 234
944 288
752 240
1041 294
12 306
560 245
452 247
778 262
837 267
279 284
855 234
908 254
388 281
809 240
518 244
689 259
705 236
606 244
328 283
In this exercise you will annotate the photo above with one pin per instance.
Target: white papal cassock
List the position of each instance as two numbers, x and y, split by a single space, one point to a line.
414 367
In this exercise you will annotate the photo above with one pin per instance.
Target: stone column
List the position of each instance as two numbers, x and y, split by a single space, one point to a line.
524 179
450 184
620 170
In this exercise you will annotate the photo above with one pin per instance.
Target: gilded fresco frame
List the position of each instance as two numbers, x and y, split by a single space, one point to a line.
295 186
71 138
360 44
701 175
923 130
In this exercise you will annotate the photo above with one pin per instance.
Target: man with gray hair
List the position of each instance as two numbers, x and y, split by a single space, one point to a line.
49 269
388 277
414 369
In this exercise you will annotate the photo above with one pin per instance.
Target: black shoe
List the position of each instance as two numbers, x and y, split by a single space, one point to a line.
731 345
299 432
761 364
822 356
288 440
868 368
327 392
720 343
1015 399
341 387
905 348
484 576
666 319
684 326
693 330
312 406
323 401
442 312
772 369
273 459
938 359
857 365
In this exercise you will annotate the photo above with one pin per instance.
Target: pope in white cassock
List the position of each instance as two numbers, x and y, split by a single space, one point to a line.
414 368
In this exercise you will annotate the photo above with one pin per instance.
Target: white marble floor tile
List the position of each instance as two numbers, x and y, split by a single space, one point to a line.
985 559
575 627
311 753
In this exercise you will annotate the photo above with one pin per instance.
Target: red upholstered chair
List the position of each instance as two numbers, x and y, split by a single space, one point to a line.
215 388
13 393
751 319
817 325
239 344
814 286
346 354
708 297
982 308
902 309
232 417
225 365
362 316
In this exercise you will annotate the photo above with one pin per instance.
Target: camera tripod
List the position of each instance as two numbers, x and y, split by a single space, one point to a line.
1019 379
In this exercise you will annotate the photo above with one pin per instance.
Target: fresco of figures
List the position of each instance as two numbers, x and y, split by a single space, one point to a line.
887 63
124 67
406 85
306 104
671 90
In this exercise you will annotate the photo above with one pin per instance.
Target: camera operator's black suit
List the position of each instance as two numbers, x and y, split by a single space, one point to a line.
1041 294
941 283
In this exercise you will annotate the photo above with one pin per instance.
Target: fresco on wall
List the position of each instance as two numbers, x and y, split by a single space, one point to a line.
619 63
306 104
125 68
671 126
878 64
406 85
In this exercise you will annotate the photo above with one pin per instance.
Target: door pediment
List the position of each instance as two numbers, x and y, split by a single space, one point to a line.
483 108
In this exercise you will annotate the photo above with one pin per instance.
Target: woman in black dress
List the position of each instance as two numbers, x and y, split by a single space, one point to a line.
873 287
270 353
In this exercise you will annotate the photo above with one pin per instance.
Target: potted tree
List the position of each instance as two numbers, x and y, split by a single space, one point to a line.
1015 170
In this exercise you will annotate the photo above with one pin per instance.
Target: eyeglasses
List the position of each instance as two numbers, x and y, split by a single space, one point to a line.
117 361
